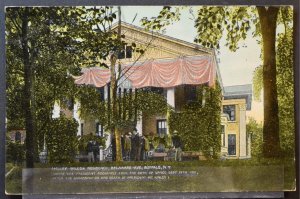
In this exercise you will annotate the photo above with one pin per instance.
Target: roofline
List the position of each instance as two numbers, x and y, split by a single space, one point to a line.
166 37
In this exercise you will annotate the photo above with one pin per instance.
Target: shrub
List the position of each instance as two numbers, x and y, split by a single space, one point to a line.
15 152
61 140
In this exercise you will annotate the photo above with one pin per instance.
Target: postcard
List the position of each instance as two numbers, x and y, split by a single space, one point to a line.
149 99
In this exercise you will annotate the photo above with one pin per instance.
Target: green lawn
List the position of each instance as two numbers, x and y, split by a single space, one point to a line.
213 175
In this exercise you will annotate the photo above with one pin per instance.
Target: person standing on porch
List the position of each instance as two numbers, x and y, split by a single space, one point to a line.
142 148
95 147
137 147
127 146
90 151
177 145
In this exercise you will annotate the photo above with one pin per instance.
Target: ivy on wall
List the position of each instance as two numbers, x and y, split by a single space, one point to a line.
130 106
199 123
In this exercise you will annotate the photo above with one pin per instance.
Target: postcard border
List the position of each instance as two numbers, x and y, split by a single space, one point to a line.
295 3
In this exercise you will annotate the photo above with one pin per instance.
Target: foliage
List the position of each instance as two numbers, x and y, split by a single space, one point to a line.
151 103
213 22
61 140
257 82
198 126
91 104
285 85
130 106
57 40
164 18
255 130
15 152
165 140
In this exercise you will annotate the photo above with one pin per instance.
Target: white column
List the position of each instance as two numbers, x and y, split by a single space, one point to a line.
243 137
139 125
171 96
108 140
76 116
101 155
171 102
56 110
105 92
249 144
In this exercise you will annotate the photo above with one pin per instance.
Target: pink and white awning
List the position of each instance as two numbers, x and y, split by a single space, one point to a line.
163 73
95 76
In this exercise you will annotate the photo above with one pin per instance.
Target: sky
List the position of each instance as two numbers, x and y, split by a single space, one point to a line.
236 67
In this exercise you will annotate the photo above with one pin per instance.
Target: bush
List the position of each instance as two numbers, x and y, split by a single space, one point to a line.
15 152
257 137
61 140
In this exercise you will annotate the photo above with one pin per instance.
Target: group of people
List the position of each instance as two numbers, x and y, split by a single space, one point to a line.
134 147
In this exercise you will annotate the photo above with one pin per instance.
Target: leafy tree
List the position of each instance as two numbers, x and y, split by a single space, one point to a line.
212 22
284 82
43 46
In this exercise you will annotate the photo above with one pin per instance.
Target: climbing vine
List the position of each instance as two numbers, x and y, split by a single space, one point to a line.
130 106
199 123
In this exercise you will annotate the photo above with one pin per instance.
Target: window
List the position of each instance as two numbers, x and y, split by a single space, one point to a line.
69 104
126 52
18 137
161 127
190 93
101 91
223 135
231 144
230 111
99 129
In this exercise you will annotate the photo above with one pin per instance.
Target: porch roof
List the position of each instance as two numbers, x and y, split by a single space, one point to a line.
162 73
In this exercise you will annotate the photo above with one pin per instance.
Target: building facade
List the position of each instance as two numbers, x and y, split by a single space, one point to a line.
235 141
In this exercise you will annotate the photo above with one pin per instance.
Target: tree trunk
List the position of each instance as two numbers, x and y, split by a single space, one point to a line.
28 74
271 142
113 92
118 145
